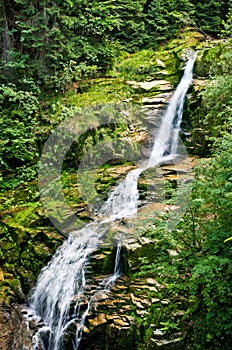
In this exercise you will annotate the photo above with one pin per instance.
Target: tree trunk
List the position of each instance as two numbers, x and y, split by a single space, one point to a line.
6 38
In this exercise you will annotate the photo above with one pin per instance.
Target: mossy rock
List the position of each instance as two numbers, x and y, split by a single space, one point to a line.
209 57
11 290
102 261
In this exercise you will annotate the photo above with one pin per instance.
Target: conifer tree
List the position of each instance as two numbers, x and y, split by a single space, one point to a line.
208 15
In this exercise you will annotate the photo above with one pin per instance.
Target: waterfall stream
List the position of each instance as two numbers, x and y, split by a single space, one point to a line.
166 141
60 291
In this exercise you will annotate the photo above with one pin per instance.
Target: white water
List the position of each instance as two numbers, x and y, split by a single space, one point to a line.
59 295
59 282
123 201
166 141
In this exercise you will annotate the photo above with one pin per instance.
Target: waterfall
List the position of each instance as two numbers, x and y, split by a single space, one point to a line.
59 282
123 201
105 285
60 293
166 141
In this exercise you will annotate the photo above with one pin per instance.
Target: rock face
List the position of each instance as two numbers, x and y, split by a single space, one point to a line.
13 334
117 317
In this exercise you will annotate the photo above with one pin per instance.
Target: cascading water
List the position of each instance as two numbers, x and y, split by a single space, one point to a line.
63 278
166 141
60 289
123 201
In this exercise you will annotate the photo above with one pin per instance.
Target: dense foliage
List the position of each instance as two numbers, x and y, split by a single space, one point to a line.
47 37
212 275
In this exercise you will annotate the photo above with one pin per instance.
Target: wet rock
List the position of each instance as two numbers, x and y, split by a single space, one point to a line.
100 319
199 84
119 287
125 308
14 334
102 261
177 168
114 329
143 287
140 302
142 313
153 281
155 300
100 296
153 114
86 330
135 248
32 324
112 304
85 215
123 322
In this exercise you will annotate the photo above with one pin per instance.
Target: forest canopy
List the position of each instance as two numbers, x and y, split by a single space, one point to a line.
40 39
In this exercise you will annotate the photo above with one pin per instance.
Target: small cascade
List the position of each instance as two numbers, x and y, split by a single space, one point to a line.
123 201
60 292
109 281
105 285
59 282
58 286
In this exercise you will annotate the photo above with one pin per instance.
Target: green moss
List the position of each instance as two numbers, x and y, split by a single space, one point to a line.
137 66
100 92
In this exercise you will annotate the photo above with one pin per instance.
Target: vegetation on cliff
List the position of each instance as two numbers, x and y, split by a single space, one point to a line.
59 58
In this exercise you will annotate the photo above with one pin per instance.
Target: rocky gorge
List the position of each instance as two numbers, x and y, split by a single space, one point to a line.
143 309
